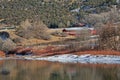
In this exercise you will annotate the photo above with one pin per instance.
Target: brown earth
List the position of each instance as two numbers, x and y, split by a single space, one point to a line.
53 50
2 54
93 52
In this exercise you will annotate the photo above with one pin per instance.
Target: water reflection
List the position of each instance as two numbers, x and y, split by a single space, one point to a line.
42 70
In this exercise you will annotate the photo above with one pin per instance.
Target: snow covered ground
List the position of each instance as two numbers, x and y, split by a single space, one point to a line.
70 58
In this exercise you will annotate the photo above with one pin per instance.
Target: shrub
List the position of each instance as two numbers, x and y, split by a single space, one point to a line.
35 29
23 30
7 45
40 30
109 37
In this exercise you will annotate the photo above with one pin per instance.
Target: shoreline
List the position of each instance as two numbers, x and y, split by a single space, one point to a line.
71 58
63 55
56 50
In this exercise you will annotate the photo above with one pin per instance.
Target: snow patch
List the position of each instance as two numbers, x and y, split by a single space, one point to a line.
70 58
87 58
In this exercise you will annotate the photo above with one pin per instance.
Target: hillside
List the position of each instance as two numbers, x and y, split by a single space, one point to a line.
54 13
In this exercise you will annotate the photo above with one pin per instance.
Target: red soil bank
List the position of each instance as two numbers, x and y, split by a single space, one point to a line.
49 51
2 54
52 50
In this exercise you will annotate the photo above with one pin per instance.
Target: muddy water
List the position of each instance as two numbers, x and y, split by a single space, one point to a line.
42 70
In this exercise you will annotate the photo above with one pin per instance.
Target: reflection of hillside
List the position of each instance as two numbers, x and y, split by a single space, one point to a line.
1 62
41 70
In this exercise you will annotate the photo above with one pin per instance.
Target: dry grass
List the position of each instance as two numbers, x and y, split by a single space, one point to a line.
39 41
32 41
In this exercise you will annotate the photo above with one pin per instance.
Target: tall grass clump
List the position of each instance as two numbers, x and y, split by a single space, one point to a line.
7 45
109 37
34 29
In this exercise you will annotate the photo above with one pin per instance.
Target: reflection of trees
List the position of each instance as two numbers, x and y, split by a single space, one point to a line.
6 69
55 76
40 70
109 73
